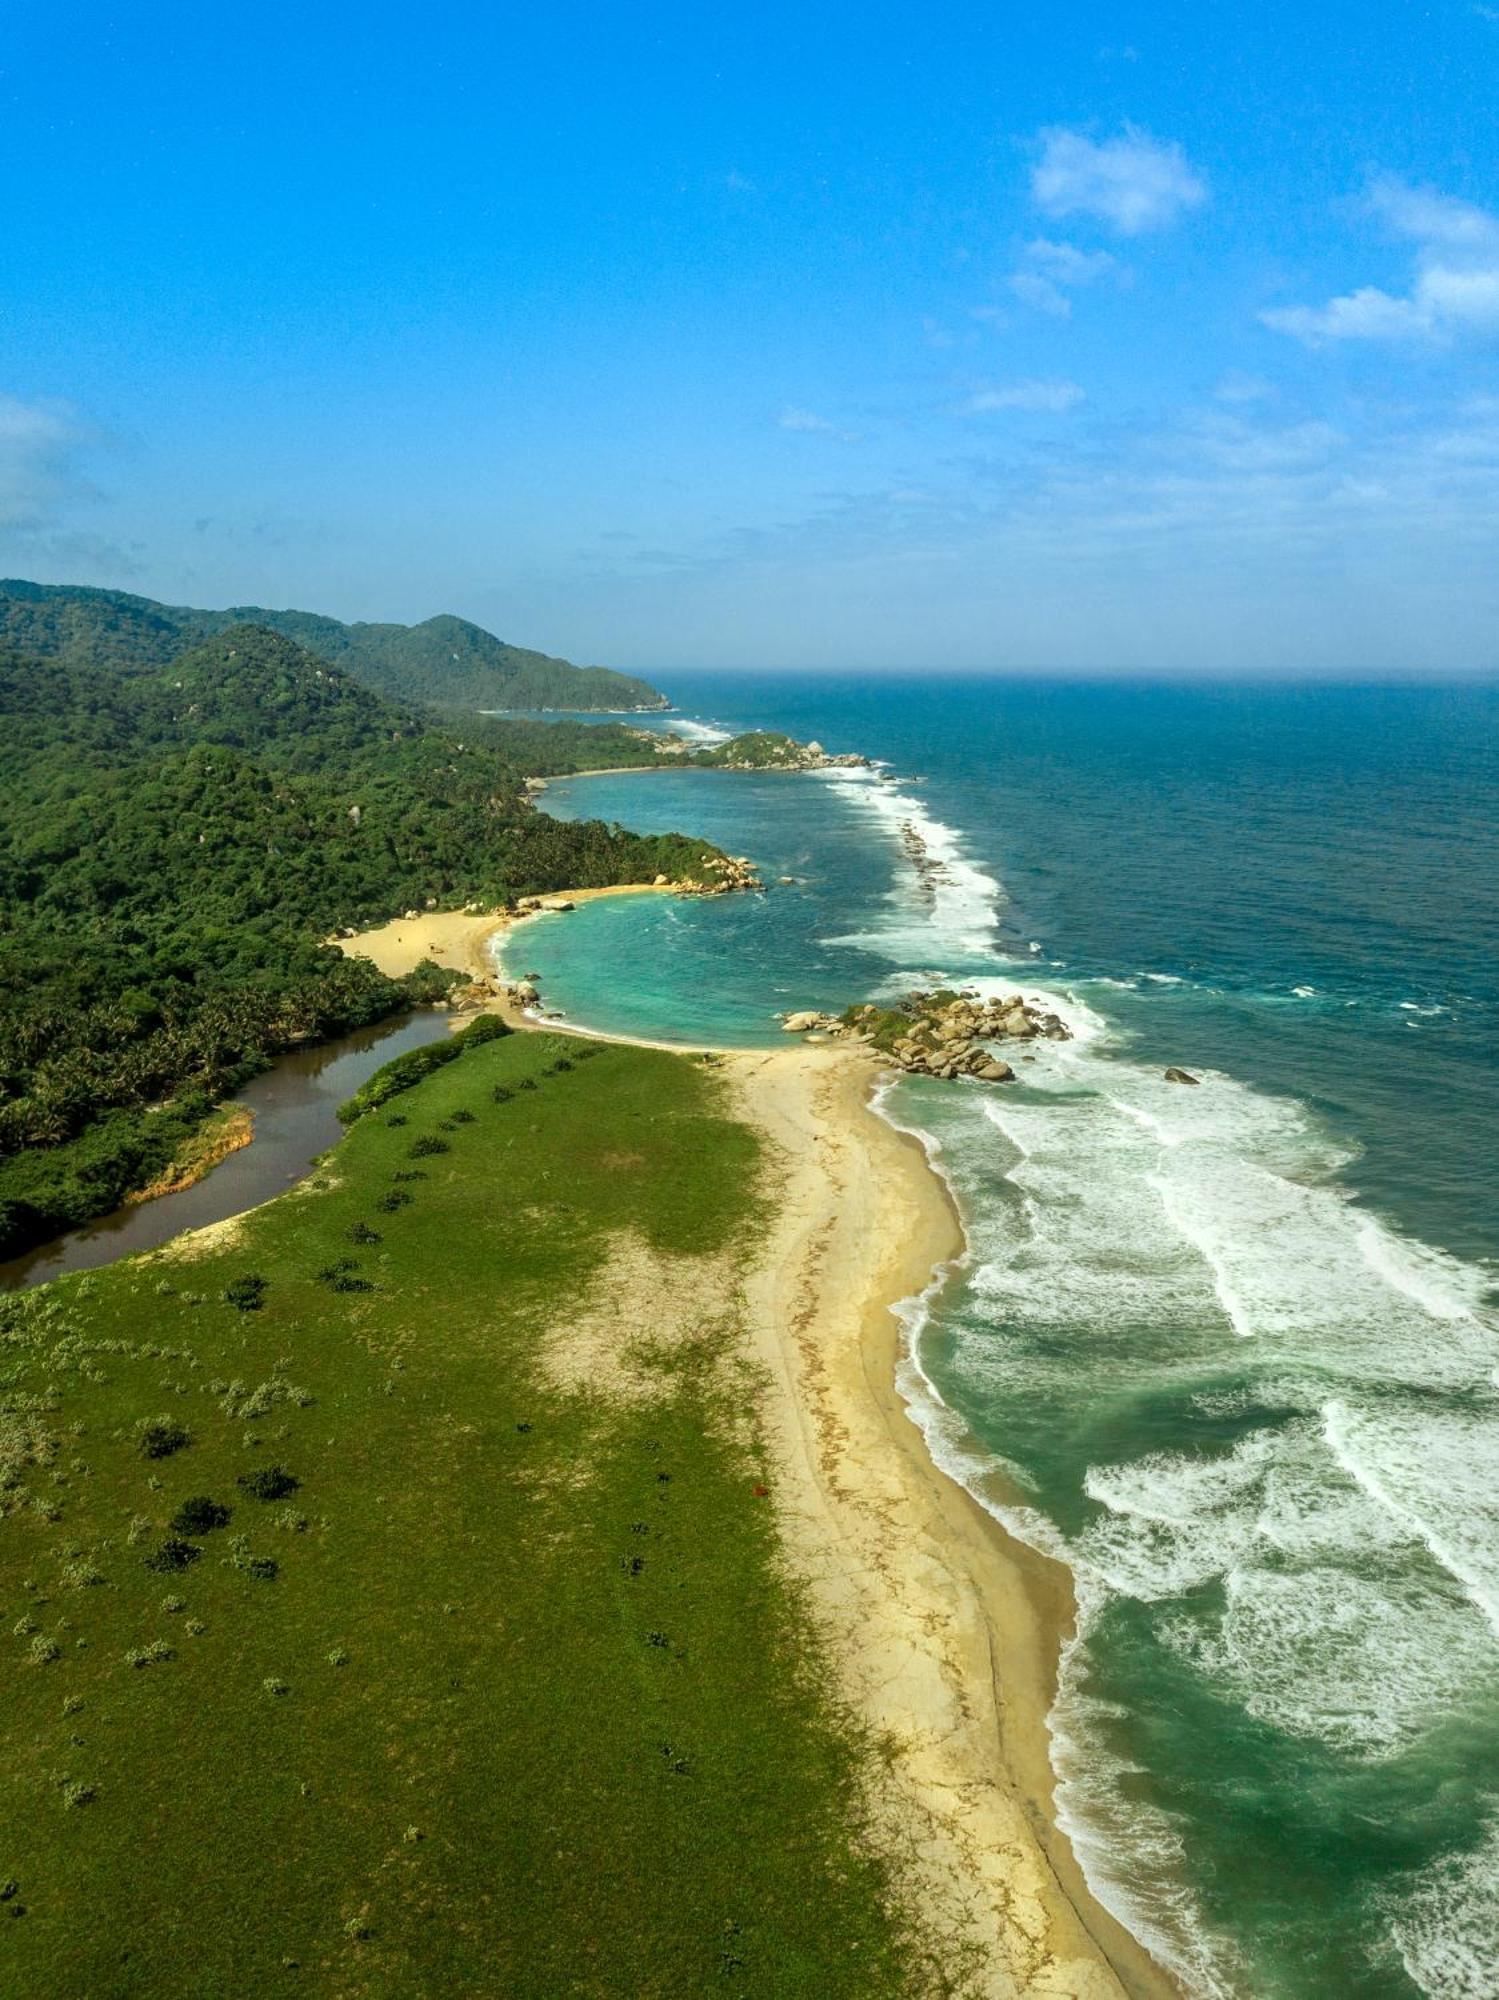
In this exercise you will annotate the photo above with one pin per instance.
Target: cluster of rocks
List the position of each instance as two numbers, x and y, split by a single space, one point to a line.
927 871
940 1034
725 874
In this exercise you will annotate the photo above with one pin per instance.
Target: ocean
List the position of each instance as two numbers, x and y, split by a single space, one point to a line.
1229 1352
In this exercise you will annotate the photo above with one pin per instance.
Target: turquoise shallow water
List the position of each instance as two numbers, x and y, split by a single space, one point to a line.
1234 1346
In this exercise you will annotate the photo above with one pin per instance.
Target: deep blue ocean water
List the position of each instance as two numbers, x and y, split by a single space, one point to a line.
1230 1352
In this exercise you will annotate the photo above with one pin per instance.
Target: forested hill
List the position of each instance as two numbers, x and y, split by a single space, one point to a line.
176 839
444 661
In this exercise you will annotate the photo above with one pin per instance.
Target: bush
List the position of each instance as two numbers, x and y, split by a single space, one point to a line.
174 1554
389 1203
426 1148
269 1482
462 1118
403 1073
362 1233
199 1516
487 1028
159 1437
248 1293
501 1094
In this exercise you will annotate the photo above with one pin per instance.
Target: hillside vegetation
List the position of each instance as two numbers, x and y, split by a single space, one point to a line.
177 836
445 660
367 1632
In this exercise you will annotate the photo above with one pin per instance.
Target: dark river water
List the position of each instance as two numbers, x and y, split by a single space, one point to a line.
295 1107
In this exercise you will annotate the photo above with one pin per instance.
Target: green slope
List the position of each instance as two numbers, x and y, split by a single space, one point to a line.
445 660
509 1693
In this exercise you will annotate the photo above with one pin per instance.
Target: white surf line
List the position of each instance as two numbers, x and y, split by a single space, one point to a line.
1334 1421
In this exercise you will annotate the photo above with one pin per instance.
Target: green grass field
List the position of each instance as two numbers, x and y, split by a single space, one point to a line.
507 1694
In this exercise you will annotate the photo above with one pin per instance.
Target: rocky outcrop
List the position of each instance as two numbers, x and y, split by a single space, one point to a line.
1174 1075
723 875
941 1034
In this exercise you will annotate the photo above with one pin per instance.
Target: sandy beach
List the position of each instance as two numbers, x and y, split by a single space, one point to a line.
944 1630
461 940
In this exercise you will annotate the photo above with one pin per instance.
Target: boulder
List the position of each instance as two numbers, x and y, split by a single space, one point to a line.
992 1070
1174 1075
800 1024
661 882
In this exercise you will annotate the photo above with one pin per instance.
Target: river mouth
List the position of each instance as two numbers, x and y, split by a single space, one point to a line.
295 1108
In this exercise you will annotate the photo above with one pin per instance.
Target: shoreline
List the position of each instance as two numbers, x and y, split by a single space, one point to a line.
944 1630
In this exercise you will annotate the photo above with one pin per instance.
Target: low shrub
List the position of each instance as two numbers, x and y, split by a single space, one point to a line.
487 1028
427 1147
362 1233
269 1482
199 1516
248 1292
396 1198
173 1554
159 1437
404 1073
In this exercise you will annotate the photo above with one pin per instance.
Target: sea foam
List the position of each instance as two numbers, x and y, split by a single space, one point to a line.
1332 1571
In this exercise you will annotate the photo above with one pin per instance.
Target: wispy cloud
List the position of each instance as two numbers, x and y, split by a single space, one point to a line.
38 447
1455 288
1033 394
1049 271
812 425
1133 183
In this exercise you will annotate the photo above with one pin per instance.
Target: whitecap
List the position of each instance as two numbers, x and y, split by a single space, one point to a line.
1444 1921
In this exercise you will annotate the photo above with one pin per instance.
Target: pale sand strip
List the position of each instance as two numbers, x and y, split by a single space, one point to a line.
457 939
944 1630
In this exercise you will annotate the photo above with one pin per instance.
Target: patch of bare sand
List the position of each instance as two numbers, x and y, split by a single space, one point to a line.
944 1632
643 1310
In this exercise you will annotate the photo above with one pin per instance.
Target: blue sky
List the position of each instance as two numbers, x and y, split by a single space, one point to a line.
1092 338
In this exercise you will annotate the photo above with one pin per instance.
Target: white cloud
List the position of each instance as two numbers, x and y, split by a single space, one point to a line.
1132 183
812 425
1455 288
1048 271
37 443
1033 394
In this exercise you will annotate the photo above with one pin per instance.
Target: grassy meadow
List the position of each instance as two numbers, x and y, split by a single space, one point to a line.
364 1634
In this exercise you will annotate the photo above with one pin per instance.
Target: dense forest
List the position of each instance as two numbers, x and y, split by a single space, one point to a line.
181 828
445 661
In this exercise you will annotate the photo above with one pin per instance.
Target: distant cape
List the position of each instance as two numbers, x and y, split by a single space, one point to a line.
445 660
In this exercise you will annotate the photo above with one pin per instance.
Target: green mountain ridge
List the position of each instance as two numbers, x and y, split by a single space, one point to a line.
183 826
444 661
